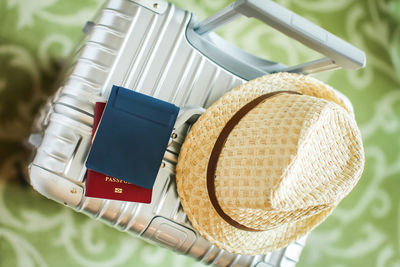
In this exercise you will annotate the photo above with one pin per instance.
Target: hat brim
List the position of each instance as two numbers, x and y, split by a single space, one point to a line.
192 167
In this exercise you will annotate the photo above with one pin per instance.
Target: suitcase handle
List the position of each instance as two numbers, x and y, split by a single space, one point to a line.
338 52
188 114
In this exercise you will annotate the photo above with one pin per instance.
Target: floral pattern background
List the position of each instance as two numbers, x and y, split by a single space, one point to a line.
37 36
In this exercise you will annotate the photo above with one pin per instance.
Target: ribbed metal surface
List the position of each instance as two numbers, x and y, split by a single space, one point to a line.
133 47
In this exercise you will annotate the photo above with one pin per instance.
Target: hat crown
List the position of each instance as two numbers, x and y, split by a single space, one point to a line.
286 159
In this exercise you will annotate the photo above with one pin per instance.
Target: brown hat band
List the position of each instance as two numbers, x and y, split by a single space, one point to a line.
217 149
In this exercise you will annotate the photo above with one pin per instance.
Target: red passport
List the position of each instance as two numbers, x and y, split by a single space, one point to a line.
102 186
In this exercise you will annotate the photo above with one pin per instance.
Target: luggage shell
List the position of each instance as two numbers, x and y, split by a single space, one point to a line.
144 47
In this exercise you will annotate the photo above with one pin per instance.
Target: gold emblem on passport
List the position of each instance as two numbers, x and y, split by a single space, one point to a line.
118 190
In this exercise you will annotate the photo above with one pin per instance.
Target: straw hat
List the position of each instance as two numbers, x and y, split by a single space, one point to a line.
268 162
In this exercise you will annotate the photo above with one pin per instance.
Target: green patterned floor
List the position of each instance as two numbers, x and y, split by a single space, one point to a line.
35 37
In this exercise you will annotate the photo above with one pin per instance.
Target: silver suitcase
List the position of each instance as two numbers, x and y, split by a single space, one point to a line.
158 49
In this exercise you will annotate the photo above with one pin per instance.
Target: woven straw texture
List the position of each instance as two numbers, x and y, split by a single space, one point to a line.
283 168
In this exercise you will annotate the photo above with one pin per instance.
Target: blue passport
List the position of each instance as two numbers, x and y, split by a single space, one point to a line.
132 137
